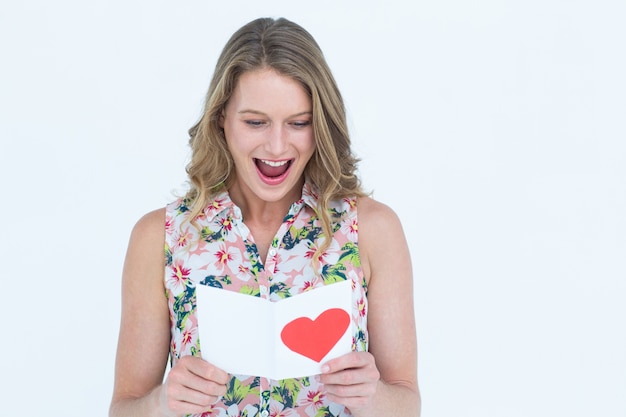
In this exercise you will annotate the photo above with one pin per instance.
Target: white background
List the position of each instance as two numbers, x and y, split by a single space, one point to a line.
495 129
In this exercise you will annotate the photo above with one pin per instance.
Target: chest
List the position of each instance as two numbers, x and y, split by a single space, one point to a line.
262 235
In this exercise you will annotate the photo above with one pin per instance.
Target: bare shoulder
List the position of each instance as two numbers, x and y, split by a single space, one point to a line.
150 226
381 236
376 220
145 257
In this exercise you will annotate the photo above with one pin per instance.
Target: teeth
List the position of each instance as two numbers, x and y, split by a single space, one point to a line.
274 163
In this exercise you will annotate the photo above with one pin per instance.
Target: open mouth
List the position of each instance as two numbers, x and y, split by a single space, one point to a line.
272 169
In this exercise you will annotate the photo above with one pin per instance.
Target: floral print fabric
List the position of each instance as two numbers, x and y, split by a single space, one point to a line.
220 251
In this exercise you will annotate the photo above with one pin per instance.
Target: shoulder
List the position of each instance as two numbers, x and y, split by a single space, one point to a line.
145 259
147 237
381 238
376 218
150 225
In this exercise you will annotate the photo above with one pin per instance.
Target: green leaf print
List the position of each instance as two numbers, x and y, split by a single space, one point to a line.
194 350
184 206
266 396
183 306
212 281
286 392
280 289
168 255
288 242
350 254
361 340
210 236
310 233
336 214
324 412
237 392
295 235
253 256
249 290
333 273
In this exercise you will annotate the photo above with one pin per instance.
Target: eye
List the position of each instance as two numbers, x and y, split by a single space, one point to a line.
301 124
254 123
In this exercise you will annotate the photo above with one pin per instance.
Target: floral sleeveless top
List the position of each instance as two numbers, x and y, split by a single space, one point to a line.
220 251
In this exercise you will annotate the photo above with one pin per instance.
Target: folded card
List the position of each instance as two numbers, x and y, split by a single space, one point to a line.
290 338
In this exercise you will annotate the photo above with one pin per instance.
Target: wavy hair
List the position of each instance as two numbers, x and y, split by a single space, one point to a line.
291 51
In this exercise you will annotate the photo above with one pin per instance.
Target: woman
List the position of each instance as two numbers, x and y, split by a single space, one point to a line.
272 177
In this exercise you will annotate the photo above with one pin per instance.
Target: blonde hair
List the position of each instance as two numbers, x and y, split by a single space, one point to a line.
291 51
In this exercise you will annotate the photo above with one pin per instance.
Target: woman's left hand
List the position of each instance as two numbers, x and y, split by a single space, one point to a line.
351 379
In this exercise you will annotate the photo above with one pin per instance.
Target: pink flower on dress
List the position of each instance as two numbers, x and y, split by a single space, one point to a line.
351 202
279 411
361 307
311 251
315 398
215 207
181 240
329 256
188 335
227 223
179 276
243 271
169 225
174 348
351 228
225 256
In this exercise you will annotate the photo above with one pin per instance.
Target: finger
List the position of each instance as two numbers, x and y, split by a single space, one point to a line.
186 386
348 377
350 391
182 400
205 370
353 395
352 403
350 370
204 386
348 361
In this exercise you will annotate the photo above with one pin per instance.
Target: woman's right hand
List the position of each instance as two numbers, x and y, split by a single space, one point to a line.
191 387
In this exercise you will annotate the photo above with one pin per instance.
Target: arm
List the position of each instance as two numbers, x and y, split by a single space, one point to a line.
144 339
382 381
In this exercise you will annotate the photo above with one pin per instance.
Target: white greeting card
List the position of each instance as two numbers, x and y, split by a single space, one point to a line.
291 338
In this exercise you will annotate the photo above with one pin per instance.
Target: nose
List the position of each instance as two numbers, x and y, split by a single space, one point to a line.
277 141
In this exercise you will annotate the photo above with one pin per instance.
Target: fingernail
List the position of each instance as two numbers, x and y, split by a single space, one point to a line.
325 369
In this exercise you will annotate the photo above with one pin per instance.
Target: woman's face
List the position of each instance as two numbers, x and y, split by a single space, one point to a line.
268 127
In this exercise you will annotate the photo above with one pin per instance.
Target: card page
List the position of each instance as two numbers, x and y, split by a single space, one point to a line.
291 338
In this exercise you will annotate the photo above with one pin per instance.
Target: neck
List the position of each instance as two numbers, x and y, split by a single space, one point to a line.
257 210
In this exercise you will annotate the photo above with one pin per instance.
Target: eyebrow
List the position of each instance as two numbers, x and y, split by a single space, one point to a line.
307 112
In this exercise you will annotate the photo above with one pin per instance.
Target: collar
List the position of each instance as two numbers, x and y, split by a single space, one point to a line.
222 202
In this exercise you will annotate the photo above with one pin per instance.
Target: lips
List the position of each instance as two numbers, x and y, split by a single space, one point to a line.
272 169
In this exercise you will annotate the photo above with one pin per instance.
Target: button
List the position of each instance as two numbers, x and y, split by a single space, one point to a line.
272 252
265 413
263 289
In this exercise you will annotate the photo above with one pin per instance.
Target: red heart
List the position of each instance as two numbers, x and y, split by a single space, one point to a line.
315 338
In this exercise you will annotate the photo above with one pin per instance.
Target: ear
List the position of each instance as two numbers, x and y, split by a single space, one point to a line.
220 119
